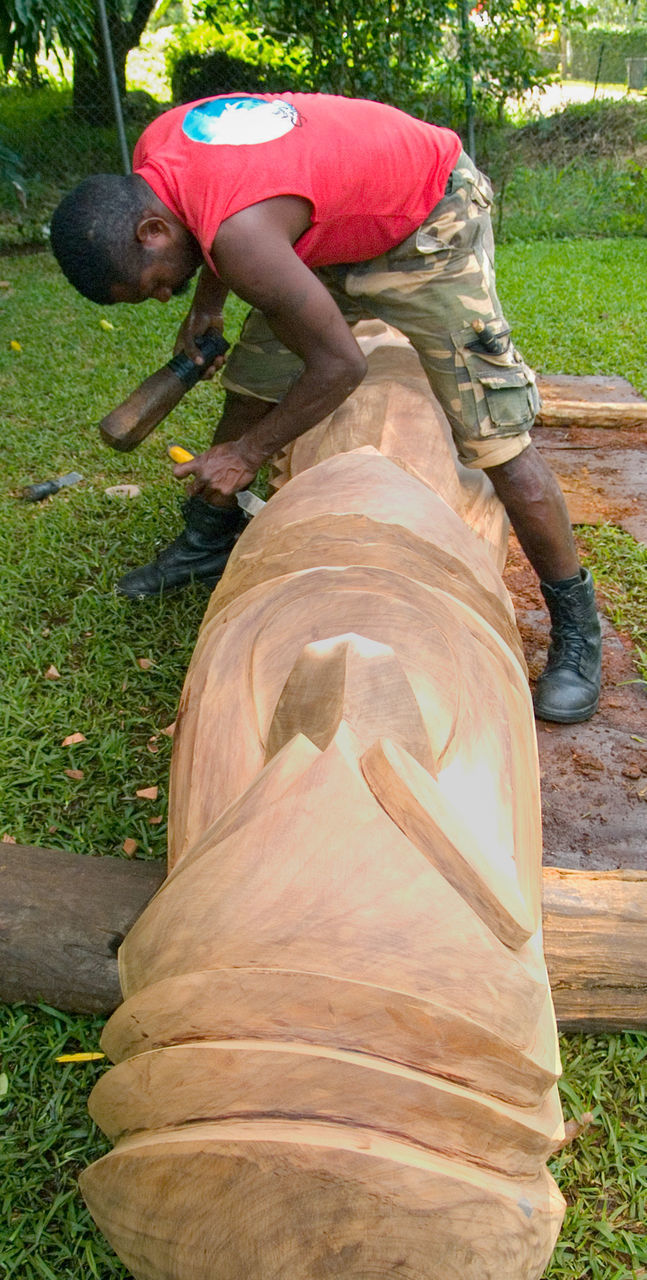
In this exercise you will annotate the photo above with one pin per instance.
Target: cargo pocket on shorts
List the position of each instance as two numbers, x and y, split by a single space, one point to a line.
501 390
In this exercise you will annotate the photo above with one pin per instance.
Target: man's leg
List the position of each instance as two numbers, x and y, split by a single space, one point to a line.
201 551
569 688
438 287
537 510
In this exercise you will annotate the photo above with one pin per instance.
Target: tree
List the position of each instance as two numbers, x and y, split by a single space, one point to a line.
414 54
26 26
126 24
73 26
355 47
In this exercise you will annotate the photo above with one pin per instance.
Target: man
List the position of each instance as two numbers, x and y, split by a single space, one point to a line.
320 210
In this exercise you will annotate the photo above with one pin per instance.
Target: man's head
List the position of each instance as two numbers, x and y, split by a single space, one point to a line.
117 242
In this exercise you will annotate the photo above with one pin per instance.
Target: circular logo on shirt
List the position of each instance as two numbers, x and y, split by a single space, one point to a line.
239 122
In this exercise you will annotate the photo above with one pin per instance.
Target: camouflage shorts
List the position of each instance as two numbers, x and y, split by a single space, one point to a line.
437 288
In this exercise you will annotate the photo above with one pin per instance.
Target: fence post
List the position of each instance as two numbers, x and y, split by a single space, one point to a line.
114 87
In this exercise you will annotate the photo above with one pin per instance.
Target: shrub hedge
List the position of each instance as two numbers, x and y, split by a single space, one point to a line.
602 53
217 58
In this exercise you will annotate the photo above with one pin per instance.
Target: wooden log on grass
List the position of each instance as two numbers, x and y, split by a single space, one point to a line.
64 916
355 1058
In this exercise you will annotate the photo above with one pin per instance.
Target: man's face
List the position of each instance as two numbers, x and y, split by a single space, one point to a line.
166 271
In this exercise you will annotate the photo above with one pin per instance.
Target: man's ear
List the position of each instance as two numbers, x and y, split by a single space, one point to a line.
153 230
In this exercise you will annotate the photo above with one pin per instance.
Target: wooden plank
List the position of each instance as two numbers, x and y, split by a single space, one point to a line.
595 941
609 402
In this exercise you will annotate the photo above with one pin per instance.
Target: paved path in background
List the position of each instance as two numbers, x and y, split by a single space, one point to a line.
557 96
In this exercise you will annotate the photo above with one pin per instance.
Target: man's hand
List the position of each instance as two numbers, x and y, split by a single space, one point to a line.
219 472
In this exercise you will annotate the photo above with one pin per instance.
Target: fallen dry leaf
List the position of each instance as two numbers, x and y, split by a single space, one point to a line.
573 1129
75 774
129 847
144 663
52 673
72 739
152 746
7 839
154 822
148 793
169 730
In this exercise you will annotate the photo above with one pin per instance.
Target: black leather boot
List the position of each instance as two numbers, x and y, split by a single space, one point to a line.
199 554
569 688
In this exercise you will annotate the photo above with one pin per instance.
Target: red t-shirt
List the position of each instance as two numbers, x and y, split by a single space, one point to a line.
371 172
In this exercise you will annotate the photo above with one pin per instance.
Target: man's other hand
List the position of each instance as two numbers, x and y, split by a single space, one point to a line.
220 472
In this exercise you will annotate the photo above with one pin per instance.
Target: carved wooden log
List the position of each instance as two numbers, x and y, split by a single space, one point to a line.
63 916
355 1051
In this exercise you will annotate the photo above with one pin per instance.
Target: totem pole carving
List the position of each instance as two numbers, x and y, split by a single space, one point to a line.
337 1052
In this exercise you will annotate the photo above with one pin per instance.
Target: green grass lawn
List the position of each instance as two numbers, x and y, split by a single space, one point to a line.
577 307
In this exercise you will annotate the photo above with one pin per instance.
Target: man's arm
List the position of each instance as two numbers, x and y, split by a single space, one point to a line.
205 313
253 253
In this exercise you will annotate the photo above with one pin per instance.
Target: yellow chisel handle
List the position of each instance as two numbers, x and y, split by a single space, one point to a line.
178 454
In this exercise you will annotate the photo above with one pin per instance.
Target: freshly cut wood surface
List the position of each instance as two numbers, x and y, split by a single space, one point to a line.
416 803
300 885
218 1081
595 924
343 1126
397 414
323 1200
246 653
316 1009
361 509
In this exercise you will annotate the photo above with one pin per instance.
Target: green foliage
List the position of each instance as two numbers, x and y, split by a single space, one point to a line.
416 55
355 47
619 565
579 172
218 57
59 561
601 52
26 26
593 198
10 165
602 1172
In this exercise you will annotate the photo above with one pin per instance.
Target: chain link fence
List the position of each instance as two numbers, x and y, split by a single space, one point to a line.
64 118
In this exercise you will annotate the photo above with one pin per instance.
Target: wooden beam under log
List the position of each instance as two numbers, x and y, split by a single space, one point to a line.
63 916
571 401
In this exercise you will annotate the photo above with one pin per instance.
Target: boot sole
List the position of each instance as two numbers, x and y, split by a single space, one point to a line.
567 717
210 584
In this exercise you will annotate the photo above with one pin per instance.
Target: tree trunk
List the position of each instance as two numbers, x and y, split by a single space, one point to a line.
91 95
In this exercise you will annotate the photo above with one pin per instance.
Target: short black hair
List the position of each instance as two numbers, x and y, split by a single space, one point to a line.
93 236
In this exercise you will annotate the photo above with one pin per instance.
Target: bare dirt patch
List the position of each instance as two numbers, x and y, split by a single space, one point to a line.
594 775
